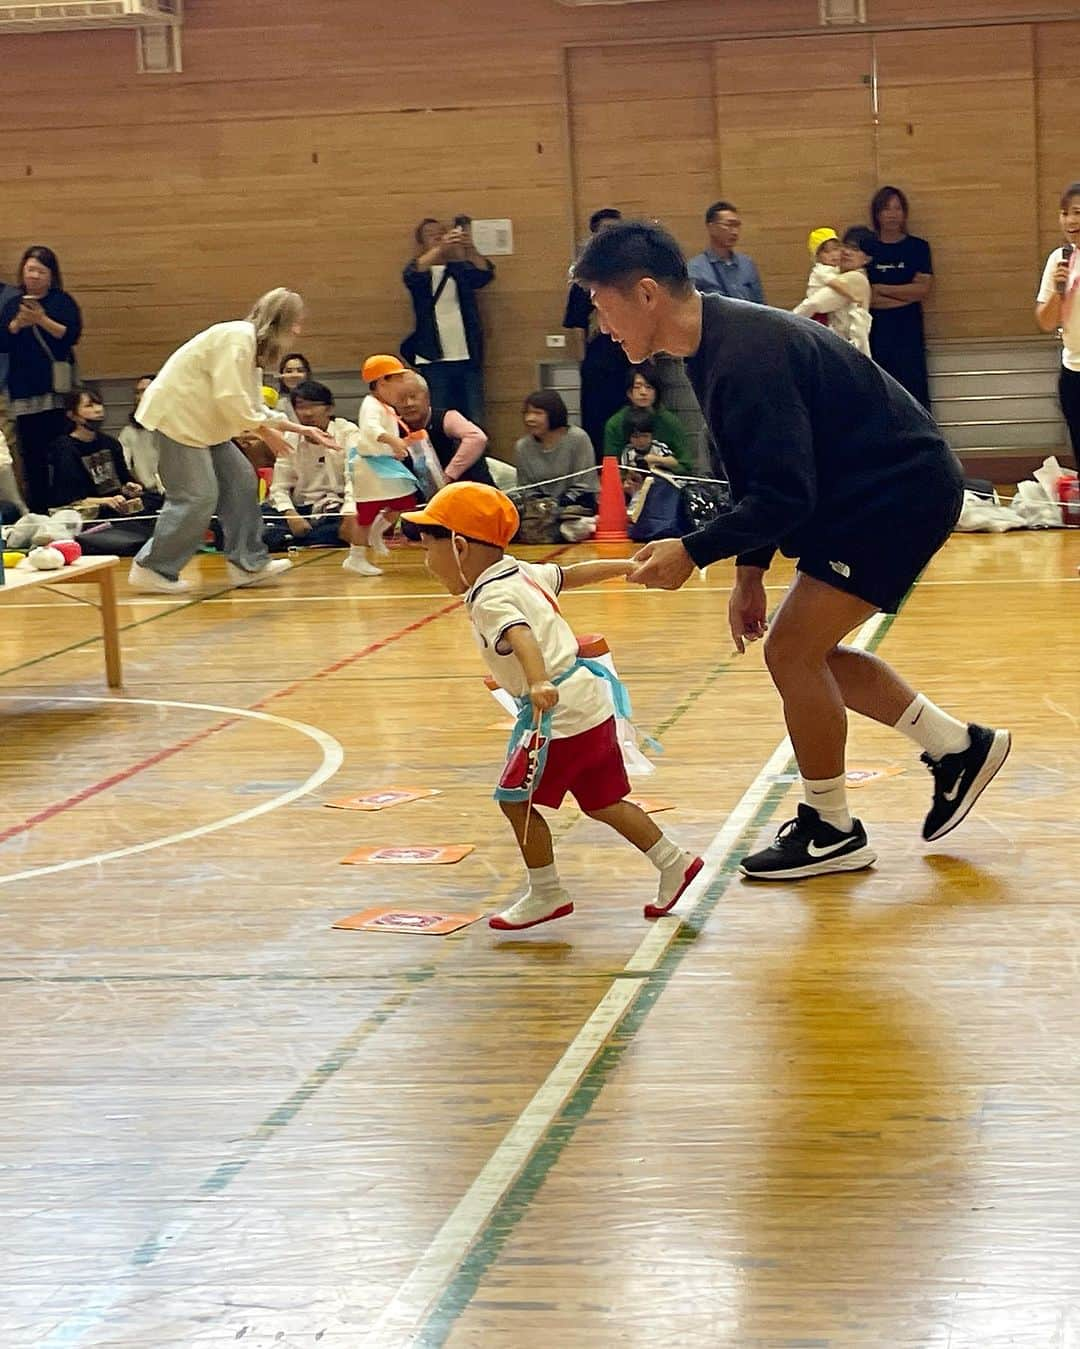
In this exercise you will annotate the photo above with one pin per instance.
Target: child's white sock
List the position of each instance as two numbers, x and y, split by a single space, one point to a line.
358 551
828 796
543 880
934 730
664 853
376 530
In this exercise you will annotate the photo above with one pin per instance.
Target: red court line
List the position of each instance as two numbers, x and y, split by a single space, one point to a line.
159 756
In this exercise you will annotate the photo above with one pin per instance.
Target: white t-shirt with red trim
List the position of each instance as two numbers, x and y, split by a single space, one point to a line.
523 594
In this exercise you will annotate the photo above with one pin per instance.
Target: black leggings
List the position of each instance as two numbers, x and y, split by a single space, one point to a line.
36 435
1069 393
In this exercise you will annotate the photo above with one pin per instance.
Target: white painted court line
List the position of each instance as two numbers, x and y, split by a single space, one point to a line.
405 1315
333 756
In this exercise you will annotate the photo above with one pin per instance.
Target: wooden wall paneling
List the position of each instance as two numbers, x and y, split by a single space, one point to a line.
958 135
643 132
795 136
1057 61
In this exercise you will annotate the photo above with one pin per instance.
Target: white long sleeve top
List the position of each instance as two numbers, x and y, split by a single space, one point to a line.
209 390
314 475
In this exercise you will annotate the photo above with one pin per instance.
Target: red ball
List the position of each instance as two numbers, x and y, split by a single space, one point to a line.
71 550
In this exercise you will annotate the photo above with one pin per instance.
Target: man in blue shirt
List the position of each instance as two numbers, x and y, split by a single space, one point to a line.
720 270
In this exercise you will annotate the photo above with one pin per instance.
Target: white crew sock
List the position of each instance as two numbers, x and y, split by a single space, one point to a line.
543 880
935 731
358 552
828 796
664 853
376 530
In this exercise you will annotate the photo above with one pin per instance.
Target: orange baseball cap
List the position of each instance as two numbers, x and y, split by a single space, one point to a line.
378 367
471 508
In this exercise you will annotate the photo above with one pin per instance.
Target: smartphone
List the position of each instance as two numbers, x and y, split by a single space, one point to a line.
462 222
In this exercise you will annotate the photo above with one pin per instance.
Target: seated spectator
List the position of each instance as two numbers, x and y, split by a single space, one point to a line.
644 450
140 446
308 488
11 502
643 392
293 370
553 458
87 469
447 446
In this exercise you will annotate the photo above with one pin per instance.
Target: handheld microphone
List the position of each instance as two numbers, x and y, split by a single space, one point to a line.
1066 254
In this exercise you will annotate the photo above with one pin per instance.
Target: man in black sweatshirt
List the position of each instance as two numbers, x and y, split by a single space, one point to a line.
831 462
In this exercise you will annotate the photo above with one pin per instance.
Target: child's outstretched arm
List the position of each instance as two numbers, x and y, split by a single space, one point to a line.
523 644
586 573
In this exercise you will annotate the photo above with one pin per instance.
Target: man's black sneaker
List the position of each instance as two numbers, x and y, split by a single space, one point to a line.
808 846
960 779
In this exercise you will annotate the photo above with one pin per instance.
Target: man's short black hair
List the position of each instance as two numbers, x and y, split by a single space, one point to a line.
551 402
311 391
862 237
622 254
605 213
640 421
715 209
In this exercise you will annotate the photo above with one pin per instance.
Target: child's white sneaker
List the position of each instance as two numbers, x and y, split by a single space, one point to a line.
361 566
673 882
533 909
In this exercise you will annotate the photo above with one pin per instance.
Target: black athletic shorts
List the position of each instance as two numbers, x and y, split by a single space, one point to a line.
878 546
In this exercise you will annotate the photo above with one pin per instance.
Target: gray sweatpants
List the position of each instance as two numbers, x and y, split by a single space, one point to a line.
198 482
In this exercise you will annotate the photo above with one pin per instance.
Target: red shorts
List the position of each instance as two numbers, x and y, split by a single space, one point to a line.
589 766
366 511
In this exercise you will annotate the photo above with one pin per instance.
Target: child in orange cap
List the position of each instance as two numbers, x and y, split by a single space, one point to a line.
564 739
378 485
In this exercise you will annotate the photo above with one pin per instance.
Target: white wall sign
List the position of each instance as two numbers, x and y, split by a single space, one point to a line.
493 238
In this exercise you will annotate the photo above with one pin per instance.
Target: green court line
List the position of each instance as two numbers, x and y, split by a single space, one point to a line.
515 1203
283 1115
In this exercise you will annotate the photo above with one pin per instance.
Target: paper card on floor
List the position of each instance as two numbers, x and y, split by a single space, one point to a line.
381 800
649 805
440 855
863 776
418 921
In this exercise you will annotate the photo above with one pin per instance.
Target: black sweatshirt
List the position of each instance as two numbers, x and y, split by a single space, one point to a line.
808 431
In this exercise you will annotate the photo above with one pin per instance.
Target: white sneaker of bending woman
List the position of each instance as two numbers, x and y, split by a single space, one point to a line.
273 569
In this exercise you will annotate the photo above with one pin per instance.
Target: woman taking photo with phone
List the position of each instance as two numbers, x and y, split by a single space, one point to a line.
447 343
39 327
206 393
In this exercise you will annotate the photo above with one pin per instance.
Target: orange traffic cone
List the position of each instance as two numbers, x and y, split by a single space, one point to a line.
611 517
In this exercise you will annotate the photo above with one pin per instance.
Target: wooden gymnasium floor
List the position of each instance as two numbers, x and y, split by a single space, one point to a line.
843 1113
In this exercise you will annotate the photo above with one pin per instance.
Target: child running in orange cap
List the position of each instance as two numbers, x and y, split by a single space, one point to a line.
564 739
378 484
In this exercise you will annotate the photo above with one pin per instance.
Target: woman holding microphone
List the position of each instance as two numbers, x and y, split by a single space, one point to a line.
207 392
1056 307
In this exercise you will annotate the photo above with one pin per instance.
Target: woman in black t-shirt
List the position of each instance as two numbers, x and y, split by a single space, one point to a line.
901 274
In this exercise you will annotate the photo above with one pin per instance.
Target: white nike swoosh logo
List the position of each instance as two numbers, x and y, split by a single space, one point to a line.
815 851
951 796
